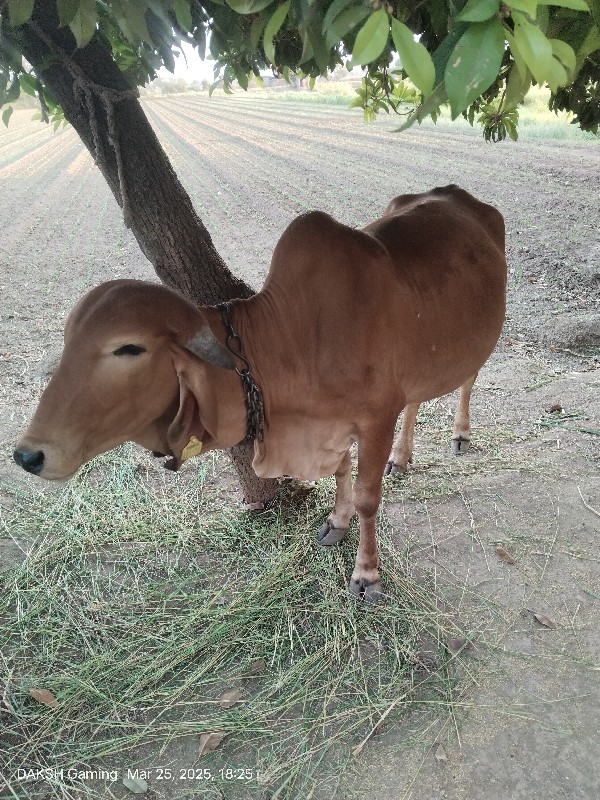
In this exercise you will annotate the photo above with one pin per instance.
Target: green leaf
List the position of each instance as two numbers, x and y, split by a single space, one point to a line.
135 17
528 6
28 84
6 114
565 54
344 23
371 38
595 11
427 108
576 5
307 49
590 44
517 87
19 11
557 75
66 11
183 14
83 24
534 47
517 57
316 44
414 57
442 53
242 78
474 63
272 29
511 129
256 29
333 11
13 91
248 6
478 10
358 102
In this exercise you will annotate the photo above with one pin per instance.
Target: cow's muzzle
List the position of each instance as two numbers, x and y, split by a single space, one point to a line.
31 460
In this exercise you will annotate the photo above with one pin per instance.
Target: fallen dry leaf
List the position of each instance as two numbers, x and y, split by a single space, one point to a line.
544 620
210 742
230 697
5 705
505 555
256 667
440 753
44 696
136 785
456 645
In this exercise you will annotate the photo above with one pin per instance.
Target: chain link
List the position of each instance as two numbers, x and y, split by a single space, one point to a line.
255 412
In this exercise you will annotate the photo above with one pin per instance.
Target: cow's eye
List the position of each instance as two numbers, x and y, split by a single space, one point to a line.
129 350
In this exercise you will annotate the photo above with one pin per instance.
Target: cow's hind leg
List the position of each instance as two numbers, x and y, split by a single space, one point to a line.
336 526
372 453
461 432
402 450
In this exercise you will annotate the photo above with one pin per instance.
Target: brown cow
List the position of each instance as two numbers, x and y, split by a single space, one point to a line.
350 328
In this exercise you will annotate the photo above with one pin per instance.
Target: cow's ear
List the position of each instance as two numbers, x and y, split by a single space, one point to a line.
206 346
197 415
179 432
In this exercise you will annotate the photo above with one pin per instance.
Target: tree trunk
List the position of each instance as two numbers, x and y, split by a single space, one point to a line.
109 119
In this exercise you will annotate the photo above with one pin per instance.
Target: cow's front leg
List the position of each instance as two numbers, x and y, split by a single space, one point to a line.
336 526
372 454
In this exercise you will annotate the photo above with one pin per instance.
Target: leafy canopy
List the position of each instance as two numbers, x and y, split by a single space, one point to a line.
478 56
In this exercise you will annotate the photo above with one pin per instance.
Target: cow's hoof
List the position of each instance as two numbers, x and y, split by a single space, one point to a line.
328 535
395 469
369 591
460 445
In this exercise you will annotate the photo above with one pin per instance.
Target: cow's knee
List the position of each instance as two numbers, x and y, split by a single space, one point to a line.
367 505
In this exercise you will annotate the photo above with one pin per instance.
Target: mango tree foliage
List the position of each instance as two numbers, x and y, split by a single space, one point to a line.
480 56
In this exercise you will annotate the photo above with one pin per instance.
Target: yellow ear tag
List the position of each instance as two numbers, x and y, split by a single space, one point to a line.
192 448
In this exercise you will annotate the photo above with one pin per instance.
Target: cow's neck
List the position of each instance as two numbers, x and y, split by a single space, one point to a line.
225 387
228 399
272 344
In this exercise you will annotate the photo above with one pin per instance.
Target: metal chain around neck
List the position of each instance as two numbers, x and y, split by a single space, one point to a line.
255 412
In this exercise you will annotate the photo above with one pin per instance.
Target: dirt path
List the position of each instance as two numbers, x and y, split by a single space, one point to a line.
525 719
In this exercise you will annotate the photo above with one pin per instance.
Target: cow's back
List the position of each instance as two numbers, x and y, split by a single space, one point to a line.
447 249
412 304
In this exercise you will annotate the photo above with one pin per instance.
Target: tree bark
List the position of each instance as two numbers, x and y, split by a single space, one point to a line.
109 119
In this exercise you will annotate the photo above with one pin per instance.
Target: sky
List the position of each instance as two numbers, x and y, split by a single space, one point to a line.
194 70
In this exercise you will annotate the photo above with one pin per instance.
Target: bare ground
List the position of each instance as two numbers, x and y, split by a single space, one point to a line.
525 720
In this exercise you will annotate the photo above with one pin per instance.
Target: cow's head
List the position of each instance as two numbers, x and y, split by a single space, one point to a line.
138 365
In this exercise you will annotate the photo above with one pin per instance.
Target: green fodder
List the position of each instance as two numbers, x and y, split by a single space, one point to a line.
141 601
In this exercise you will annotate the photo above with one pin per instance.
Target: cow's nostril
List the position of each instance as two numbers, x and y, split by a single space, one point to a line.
32 461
